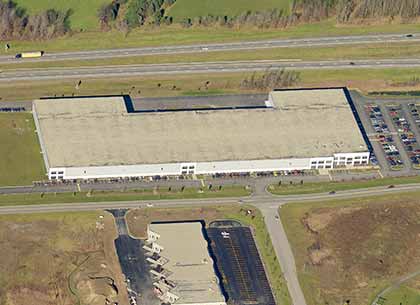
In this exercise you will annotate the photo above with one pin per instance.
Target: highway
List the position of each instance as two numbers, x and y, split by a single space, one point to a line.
198 67
267 203
217 47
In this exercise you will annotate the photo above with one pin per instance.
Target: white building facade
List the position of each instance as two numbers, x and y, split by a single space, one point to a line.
340 160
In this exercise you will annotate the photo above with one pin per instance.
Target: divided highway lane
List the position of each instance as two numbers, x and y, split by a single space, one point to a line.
217 47
198 67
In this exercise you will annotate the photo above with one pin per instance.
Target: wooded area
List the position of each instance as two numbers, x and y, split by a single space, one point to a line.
142 12
15 23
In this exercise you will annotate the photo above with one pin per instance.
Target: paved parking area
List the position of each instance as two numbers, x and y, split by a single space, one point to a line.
240 264
405 133
393 128
413 118
133 263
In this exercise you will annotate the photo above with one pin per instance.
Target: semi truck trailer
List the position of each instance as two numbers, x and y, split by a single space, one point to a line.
30 54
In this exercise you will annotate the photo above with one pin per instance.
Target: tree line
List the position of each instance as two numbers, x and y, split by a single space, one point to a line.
16 23
349 10
270 79
355 11
137 13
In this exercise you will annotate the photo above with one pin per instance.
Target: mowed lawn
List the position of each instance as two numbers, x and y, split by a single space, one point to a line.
194 8
20 157
83 11
403 295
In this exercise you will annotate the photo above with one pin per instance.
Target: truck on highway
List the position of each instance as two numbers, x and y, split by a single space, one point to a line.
30 54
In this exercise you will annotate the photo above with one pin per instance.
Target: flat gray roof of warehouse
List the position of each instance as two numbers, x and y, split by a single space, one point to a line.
190 264
99 131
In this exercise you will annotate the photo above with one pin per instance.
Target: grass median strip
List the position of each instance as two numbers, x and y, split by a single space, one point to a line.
369 51
325 187
129 195
221 83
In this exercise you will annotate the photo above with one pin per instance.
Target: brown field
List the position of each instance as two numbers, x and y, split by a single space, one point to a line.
59 259
347 251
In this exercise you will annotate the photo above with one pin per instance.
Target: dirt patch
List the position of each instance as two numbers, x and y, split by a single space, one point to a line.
97 289
318 256
316 222
58 259
356 249
35 296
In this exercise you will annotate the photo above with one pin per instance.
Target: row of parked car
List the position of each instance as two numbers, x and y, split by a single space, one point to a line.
12 109
377 120
384 137
413 151
415 112
405 132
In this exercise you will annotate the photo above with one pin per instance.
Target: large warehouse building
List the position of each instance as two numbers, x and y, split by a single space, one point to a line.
105 137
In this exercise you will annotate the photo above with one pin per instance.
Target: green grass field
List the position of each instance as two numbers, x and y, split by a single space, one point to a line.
84 11
402 295
194 8
324 187
132 195
21 161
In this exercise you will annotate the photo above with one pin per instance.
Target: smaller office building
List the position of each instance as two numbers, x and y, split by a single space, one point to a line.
181 266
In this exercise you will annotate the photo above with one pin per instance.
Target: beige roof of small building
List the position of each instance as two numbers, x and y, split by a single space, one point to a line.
189 261
98 131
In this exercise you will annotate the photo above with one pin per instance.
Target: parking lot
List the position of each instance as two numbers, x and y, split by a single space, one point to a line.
393 128
406 131
240 264
133 263
413 117
384 136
